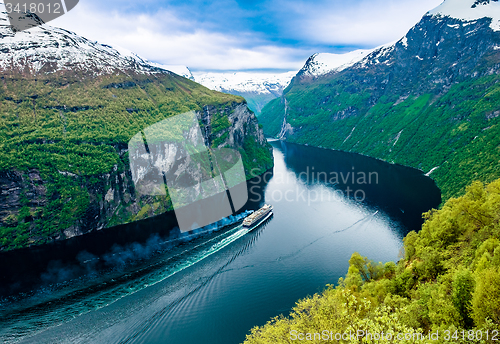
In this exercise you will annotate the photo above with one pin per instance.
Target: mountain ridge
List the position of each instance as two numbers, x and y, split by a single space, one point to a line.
68 51
323 63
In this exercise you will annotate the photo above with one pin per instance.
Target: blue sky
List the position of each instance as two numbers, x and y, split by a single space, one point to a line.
243 35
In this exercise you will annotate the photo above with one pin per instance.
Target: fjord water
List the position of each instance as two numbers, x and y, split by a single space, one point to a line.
216 290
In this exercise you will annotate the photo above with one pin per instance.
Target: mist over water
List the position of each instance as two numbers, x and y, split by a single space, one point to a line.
215 285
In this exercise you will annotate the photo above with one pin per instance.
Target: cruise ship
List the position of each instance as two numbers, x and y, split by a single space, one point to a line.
258 217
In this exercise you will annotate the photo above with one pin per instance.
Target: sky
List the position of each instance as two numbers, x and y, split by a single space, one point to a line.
231 35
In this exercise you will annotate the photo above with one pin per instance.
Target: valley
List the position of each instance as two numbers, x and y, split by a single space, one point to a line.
382 167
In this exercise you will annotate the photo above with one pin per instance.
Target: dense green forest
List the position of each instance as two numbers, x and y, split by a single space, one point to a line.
447 282
64 165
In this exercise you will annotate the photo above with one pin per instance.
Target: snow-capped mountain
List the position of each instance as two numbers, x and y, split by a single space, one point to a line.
323 63
69 109
47 49
464 11
257 88
426 100
244 82
177 69
446 46
429 42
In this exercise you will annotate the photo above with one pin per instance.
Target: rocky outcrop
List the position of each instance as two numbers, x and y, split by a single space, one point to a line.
18 189
243 122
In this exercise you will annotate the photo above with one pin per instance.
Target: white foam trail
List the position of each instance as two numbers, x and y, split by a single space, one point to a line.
108 297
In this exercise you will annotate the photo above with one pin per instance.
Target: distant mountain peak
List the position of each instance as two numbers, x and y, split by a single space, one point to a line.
257 88
320 64
246 82
177 69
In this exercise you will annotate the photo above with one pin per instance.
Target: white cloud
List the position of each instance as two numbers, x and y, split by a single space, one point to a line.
366 23
166 39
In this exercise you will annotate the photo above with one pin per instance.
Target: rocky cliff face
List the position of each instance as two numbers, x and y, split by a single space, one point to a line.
68 110
428 100
110 198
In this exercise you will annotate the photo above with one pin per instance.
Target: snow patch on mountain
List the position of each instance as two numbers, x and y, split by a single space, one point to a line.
470 10
324 63
245 82
404 41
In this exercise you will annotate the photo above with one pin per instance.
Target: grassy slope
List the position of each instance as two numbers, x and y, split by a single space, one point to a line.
449 280
74 129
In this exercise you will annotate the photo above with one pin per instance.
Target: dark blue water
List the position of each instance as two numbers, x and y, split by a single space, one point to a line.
215 288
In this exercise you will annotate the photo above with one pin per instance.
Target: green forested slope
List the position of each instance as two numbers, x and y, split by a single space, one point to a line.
458 132
47 115
447 283
64 166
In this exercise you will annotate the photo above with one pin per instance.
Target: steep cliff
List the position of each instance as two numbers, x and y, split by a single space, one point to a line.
68 108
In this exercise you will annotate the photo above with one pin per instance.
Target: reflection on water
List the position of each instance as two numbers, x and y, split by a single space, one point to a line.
401 192
214 289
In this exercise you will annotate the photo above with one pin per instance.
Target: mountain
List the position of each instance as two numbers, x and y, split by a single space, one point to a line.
257 88
431 100
446 281
324 63
50 49
68 109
